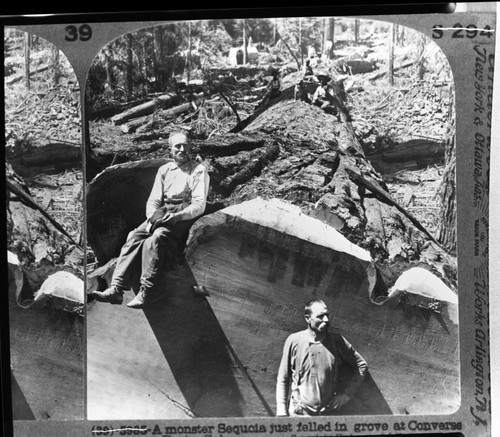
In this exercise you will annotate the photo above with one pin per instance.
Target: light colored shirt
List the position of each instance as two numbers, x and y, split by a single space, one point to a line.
310 369
322 94
173 184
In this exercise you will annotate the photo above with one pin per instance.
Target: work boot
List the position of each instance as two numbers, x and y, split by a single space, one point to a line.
112 295
140 299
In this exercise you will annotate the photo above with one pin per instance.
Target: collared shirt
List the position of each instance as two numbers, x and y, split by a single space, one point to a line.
173 184
310 369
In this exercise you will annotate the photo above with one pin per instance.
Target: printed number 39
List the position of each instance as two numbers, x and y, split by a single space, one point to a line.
83 33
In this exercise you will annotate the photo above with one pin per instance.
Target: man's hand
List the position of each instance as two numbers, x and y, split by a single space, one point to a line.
339 401
169 219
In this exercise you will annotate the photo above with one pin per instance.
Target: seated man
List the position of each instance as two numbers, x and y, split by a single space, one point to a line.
300 92
273 88
177 198
307 69
323 97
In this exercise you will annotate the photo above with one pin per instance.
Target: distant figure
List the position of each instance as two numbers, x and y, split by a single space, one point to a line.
300 92
273 89
308 71
177 198
323 97
309 370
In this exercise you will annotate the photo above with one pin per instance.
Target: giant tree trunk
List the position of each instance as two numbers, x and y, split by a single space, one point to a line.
347 242
314 169
45 271
447 229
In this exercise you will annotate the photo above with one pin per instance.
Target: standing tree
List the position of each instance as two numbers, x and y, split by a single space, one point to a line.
420 61
55 65
392 31
27 60
109 85
188 53
245 41
158 55
130 65
330 37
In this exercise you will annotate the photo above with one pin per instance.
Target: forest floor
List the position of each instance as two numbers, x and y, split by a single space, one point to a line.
383 116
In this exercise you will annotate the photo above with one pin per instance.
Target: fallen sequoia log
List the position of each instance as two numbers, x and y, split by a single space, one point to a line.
46 345
45 158
133 124
335 233
46 311
260 261
163 101
413 154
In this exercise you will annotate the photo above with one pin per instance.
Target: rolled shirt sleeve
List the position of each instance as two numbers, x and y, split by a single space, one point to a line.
155 199
357 362
284 379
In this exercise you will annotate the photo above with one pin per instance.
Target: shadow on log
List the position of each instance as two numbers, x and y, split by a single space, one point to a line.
173 357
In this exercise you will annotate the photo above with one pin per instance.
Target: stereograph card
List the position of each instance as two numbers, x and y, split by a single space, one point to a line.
320 266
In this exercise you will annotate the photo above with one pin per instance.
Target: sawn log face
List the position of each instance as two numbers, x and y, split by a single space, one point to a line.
47 360
259 280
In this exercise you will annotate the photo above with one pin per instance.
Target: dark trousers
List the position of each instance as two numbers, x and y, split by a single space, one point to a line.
152 251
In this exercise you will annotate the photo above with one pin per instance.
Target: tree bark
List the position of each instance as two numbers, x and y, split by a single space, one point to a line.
447 229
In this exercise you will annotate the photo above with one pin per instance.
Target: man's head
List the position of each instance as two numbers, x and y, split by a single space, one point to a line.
317 316
179 147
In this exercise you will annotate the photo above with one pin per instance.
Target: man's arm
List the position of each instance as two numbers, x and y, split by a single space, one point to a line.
357 362
155 199
283 380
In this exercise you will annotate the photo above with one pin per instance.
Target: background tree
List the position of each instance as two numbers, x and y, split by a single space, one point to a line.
56 73
27 60
391 38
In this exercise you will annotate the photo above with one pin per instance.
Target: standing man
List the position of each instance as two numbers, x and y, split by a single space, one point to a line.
309 369
177 198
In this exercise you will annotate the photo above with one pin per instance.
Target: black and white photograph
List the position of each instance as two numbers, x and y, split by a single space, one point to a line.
330 178
250 225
